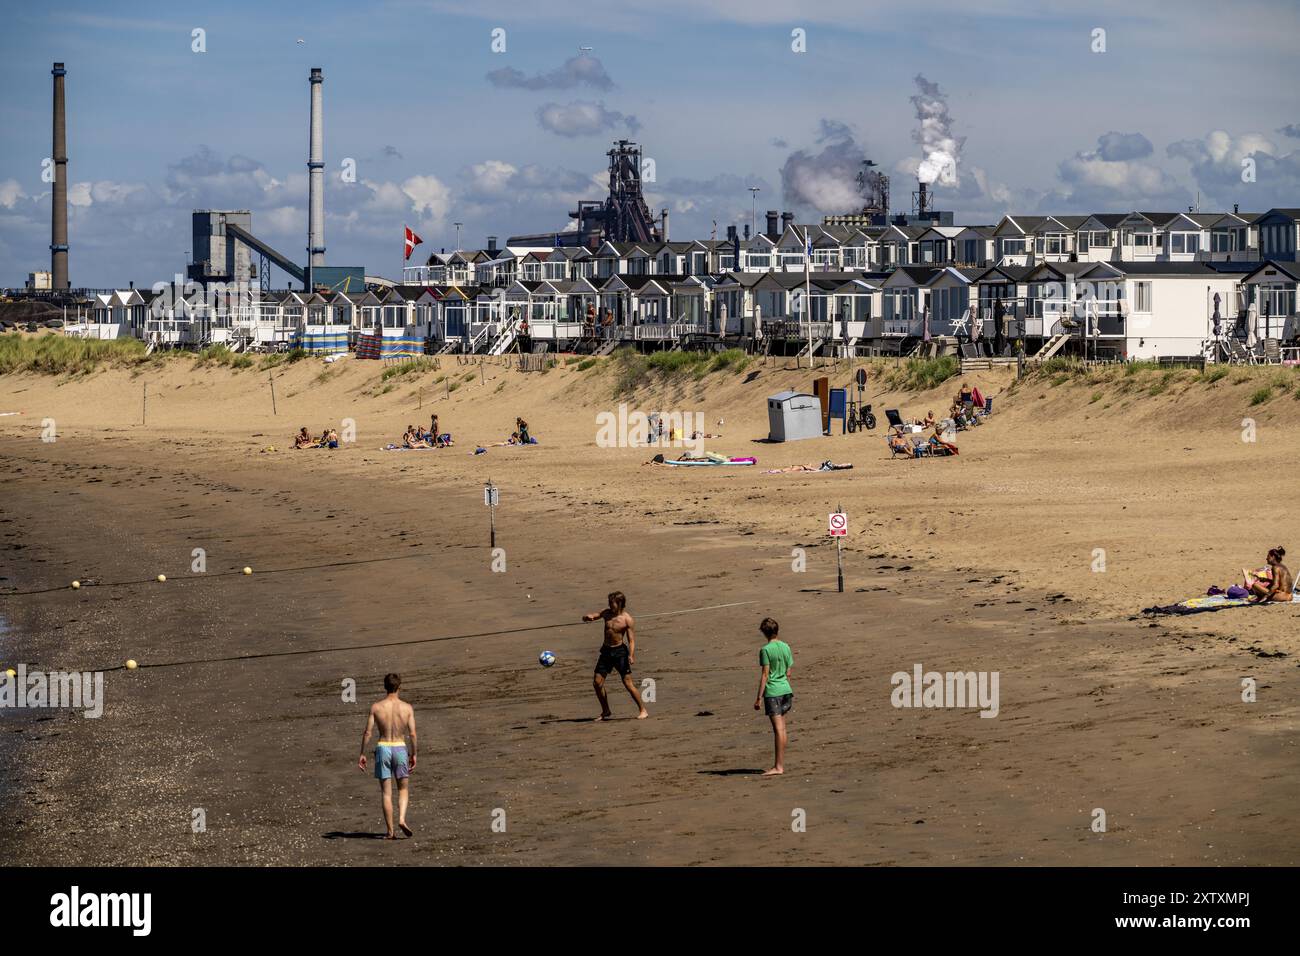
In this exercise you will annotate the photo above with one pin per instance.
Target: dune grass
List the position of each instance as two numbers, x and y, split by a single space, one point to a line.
60 355
921 374
222 357
409 367
632 369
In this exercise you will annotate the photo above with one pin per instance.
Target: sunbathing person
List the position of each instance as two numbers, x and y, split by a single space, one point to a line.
303 440
898 442
512 440
411 439
332 438
939 445
827 465
929 419
1278 588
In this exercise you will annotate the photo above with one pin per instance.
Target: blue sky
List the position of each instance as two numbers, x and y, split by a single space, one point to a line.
712 88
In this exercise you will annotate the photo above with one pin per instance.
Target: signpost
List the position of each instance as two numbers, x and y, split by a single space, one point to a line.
491 498
837 524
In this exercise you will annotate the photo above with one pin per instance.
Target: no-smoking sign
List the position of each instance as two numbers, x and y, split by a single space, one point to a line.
838 524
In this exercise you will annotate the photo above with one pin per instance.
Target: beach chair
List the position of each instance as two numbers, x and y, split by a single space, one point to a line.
988 406
1272 352
895 420
1238 354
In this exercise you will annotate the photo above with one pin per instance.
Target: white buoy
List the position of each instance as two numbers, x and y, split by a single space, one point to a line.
131 665
75 585
248 570
162 577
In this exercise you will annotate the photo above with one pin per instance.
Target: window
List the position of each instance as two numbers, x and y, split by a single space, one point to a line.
1142 240
758 260
1083 241
1141 296
1176 242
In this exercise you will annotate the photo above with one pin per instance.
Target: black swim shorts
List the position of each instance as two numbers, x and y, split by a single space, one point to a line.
777 706
613 658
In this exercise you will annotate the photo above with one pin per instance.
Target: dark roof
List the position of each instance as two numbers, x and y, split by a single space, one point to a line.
1289 269
1014 273
1292 213
1163 268
1109 219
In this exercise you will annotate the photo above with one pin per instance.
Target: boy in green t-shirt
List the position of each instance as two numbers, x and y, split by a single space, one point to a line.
774 694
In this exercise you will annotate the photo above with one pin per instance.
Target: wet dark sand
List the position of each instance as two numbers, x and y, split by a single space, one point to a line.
1145 722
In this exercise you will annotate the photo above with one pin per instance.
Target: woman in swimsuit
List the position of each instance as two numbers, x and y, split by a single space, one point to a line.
1278 588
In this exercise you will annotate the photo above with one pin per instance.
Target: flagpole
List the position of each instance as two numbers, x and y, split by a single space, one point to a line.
807 289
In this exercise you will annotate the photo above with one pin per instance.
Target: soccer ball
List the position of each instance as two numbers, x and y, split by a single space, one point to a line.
546 658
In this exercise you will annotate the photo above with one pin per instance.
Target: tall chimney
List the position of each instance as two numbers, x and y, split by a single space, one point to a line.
787 219
772 216
747 232
59 207
315 183
492 244
664 229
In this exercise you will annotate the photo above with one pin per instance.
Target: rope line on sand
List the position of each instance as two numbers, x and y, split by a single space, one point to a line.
199 576
417 640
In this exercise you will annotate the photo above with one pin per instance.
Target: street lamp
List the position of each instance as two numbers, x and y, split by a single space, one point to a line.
458 225
753 220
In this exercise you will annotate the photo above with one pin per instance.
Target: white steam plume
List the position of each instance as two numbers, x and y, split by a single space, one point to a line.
934 135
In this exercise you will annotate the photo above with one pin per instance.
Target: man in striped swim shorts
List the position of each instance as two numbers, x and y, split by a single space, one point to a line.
395 719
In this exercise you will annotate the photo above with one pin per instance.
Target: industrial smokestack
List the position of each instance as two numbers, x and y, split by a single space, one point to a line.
664 227
772 216
315 183
59 208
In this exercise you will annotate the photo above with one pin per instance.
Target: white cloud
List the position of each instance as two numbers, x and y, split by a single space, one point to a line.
10 193
491 177
582 118
428 196
1216 162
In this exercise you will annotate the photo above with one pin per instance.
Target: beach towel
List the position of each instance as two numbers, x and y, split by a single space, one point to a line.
712 461
1200 605
391 447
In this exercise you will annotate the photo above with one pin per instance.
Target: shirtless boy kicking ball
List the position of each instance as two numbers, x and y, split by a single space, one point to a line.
396 721
615 654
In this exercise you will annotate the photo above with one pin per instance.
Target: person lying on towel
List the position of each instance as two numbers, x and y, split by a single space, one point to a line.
303 440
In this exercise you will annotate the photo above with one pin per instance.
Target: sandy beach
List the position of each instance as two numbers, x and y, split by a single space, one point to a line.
367 561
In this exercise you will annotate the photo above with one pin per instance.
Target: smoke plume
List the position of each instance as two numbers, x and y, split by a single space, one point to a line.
825 181
934 135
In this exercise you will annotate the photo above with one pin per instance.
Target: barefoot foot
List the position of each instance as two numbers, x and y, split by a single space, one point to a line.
774 771
405 829
643 715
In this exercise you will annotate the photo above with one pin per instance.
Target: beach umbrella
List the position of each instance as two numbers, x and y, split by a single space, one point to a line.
1252 326
722 319
925 319
1217 319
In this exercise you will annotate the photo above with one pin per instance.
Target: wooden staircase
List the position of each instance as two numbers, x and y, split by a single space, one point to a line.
1051 347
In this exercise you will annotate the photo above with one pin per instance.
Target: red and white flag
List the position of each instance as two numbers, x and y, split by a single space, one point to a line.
412 240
